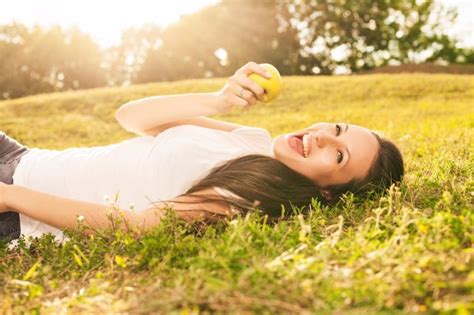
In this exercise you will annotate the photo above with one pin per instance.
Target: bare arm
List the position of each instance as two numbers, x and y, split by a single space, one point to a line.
150 112
63 213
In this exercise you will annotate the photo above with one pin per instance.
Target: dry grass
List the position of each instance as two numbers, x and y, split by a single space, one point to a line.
410 251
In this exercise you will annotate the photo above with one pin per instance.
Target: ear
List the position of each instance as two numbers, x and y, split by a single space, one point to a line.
326 194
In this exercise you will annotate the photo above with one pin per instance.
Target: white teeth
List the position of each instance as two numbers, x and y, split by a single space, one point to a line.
305 145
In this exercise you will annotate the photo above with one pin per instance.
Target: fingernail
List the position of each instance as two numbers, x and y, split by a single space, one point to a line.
269 75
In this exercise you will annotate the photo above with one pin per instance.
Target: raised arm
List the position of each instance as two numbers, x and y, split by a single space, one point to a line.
63 213
151 112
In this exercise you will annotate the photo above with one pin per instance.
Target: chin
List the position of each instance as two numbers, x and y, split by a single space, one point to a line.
280 149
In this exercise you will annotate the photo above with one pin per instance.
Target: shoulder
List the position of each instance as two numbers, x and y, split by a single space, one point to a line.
253 131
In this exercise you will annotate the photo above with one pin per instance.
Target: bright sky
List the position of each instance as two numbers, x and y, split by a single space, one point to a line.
464 28
105 19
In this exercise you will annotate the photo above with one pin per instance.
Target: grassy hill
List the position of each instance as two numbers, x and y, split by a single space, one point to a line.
411 251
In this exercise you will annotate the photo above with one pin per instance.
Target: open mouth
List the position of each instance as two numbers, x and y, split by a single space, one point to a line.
296 143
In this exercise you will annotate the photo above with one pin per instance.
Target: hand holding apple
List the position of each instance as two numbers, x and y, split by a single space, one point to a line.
249 84
272 86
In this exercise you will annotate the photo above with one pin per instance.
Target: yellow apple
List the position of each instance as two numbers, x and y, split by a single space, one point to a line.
271 86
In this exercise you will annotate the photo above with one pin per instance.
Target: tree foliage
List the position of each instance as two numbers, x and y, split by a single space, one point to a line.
218 39
121 62
297 36
38 60
363 34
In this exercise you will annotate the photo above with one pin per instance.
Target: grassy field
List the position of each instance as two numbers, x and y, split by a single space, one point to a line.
408 252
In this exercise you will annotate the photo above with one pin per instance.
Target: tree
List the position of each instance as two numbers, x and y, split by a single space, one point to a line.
218 39
123 61
359 35
36 60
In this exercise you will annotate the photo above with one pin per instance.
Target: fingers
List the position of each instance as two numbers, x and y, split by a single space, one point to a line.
252 67
242 91
245 88
250 85
237 100
245 95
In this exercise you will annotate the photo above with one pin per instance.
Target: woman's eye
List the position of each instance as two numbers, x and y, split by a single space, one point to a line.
340 157
338 130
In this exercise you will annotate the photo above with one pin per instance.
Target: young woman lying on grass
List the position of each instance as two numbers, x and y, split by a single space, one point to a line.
201 167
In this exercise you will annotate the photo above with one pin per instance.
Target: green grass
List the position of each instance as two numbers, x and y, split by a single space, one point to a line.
408 252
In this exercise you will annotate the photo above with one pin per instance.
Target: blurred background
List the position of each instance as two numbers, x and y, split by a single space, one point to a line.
54 45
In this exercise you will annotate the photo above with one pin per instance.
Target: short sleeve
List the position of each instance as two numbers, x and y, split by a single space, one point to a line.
258 138
225 193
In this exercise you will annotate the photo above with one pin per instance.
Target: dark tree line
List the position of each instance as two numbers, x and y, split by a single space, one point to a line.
298 37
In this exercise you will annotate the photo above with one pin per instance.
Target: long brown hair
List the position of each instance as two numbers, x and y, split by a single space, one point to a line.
265 183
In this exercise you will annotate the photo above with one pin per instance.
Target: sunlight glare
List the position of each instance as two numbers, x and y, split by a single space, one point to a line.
104 20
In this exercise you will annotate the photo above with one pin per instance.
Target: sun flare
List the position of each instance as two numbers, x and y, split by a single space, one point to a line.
104 20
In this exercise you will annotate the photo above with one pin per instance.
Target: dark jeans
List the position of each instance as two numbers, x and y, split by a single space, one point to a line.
10 154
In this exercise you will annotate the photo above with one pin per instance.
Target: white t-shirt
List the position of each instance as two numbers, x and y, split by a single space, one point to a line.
140 170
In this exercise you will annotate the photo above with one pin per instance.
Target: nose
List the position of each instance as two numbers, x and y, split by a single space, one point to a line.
323 138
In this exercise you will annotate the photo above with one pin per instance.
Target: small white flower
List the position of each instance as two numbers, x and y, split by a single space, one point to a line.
80 218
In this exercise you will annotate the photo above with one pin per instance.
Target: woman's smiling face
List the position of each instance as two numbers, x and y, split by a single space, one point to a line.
337 152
